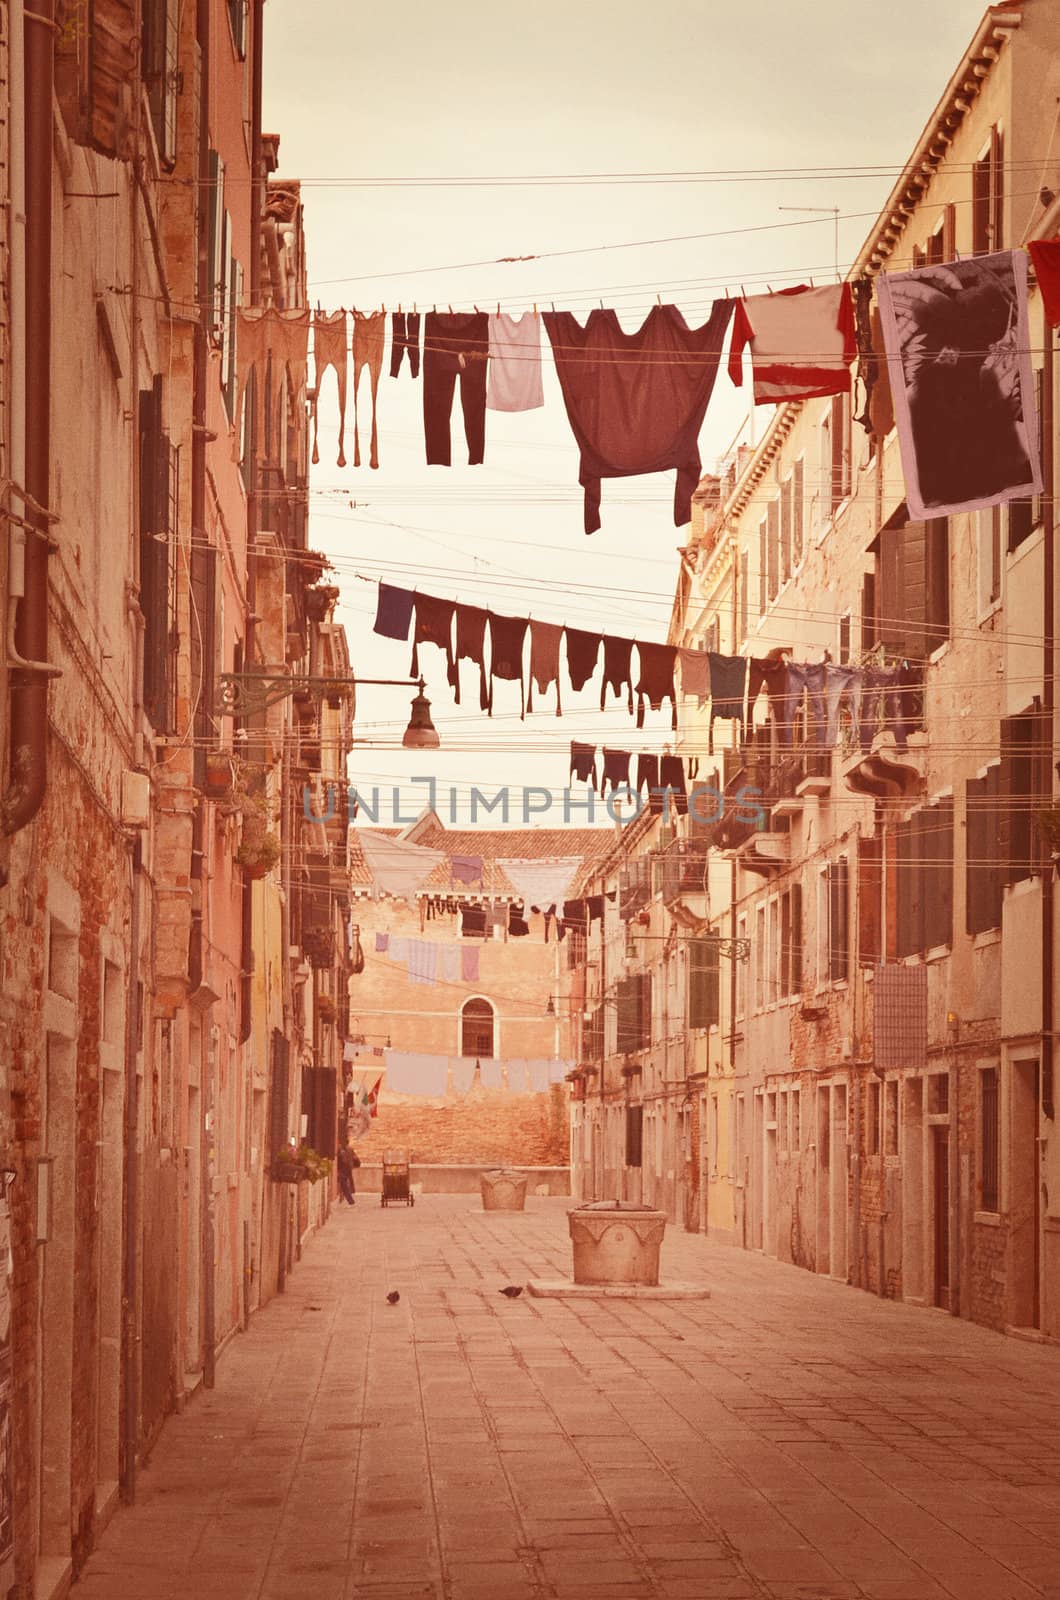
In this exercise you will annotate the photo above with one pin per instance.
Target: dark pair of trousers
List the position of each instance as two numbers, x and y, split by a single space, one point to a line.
454 347
346 1186
404 336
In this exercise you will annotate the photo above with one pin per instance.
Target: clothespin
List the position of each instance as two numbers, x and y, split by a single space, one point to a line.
384 311
450 310
498 308
658 297
399 308
535 308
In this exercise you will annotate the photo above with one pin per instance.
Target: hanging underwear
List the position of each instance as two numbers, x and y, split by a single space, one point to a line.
656 681
618 668
329 350
369 331
507 637
404 338
281 335
583 650
545 639
615 770
471 646
583 762
434 625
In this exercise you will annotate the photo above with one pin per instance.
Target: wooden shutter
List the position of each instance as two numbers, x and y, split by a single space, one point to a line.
796 938
981 206
839 918
627 994
1015 797
949 233
634 1135
644 1010
913 573
773 547
703 984
997 188
763 566
785 528
798 492
907 888
983 869
868 612
870 900
937 835
936 584
839 450
322 1110
279 1093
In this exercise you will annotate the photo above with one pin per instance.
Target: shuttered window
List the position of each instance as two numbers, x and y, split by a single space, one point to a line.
703 984
870 901
989 1141
988 196
798 509
838 886
785 529
158 498
773 548
160 21
1016 796
279 1093
633 1001
924 889
791 941
763 566
476 1029
913 586
320 1109
634 1135
984 872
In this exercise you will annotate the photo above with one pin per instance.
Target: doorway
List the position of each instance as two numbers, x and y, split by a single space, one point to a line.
940 1211
1024 1200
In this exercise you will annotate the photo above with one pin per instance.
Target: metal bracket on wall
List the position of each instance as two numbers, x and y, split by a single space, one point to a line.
246 694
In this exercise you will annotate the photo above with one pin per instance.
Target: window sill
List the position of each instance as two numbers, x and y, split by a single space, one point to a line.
988 937
992 610
938 952
987 1219
939 654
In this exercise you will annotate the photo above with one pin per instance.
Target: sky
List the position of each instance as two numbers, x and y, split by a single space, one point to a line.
399 120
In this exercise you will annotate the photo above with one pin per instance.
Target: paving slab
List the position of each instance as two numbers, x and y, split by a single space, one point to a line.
770 1436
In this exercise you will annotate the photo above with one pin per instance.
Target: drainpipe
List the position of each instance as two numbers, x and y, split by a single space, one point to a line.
1048 712
31 545
131 1242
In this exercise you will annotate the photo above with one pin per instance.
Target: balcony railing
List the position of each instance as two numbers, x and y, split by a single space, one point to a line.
682 869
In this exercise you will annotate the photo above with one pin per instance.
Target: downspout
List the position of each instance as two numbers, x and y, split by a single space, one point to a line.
1048 715
30 540
131 1240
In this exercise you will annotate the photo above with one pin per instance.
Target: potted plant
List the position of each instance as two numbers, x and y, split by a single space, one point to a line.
327 1008
220 775
259 848
301 1165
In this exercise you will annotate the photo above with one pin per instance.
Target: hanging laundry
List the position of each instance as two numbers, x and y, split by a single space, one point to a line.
397 868
473 922
461 1073
802 342
575 916
541 884
636 401
469 955
423 961
449 963
423 1075
465 869
545 640
434 625
537 1077
582 652
771 673
728 678
958 346
404 340
515 363
399 951
877 411
454 347
808 677
594 905
618 669
583 762
648 778
471 646
1045 256
261 334
518 927
557 1070
491 1073
656 681
381 942
672 779
369 332
842 683
507 637
614 770
695 674
329 350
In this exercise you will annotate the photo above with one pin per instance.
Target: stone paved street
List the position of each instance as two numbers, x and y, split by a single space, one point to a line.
789 1437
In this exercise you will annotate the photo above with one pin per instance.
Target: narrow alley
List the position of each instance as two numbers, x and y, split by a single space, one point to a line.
786 1438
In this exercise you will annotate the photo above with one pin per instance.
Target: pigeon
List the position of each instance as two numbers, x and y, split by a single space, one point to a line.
512 1290
392 1298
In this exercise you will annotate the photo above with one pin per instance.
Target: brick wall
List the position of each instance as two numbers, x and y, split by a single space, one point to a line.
486 1125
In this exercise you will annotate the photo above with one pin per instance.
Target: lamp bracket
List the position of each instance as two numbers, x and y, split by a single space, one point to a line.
247 694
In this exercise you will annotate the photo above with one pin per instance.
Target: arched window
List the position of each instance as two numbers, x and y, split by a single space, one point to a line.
476 1028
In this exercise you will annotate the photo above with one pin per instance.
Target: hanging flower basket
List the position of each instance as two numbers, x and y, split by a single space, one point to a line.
220 775
289 1172
304 1165
327 1009
259 849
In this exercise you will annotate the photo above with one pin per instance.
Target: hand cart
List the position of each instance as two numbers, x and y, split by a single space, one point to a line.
396 1178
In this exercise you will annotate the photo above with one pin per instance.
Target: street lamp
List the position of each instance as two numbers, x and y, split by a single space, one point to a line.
244 694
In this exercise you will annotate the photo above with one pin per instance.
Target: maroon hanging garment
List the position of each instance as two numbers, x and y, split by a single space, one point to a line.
618 668
614 770
656 681
507 637
434 625
471 646
583 762
672 777
583 650
636 401
545 639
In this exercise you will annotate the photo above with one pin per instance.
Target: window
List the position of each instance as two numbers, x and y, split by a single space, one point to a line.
773 548
988 196
159 47
279 1093
984 872
791 941
593 1034
1023 516
745 594
1018 789
741 972
715 1131
834 458
634 1135
989 1141
633 997
868 612
217 245
913 586
761 958
231 325
836 879
872 1118
703 984
795 1099
798 509
844 638
773 979
158 498
988 541
782 1120
763 566
476 1028
924 887
786 497
320 1108
237 17
870 901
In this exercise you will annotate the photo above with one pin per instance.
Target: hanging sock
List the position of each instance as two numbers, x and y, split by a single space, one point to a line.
656 681
405 340
393 613
329 350
618 669
471 646
507 637
802 342
636 401
965 422
455 348
583 650
545 640
514 382
434 625
369 331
